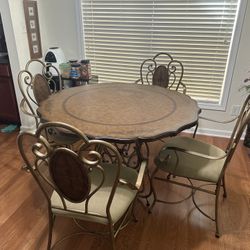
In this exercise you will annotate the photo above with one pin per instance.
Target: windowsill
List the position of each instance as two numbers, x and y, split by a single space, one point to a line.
211 106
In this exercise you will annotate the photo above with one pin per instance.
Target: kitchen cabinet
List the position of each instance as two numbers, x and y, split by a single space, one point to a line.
8 104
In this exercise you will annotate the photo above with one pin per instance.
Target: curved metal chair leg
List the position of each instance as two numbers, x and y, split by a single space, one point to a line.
51 223
169 176
112 237
224 186
217 234
133 214
195 130
153 191
25 168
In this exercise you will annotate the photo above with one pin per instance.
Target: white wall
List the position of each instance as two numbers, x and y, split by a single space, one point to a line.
59 27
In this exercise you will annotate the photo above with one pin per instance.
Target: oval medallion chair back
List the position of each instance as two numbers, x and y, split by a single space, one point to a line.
184 157
163 70
80 184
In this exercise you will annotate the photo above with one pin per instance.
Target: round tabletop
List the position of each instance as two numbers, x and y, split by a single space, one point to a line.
122 112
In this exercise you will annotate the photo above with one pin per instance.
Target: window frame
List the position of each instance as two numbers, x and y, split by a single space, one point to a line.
233 50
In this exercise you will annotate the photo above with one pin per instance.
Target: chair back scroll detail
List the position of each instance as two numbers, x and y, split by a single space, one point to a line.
36 83
163 70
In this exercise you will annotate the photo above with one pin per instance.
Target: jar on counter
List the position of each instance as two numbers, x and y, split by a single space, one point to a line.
85 69
65 69
73 61
75 72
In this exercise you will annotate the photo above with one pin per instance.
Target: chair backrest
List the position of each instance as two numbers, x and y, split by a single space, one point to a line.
41 89
36 83
65 172
241 123
163 70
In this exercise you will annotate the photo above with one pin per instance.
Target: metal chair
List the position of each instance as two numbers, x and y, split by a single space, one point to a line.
35 88
80 184
35 73
198 162
162 70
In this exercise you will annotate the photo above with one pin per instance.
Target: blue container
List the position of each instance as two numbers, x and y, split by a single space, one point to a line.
75 72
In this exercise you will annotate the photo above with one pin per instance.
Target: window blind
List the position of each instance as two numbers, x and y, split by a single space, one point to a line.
119 35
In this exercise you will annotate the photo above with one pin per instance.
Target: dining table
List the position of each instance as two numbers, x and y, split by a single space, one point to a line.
122 112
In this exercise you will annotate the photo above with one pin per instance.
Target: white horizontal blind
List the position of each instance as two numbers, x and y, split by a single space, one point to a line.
119 35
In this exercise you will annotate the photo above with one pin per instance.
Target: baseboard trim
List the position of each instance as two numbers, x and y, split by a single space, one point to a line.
213 132
28 128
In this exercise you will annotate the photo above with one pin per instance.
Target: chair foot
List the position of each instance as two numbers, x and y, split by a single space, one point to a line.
134 217
151 208
217 235
25 168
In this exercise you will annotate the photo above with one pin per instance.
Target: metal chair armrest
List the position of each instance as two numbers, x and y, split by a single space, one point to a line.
143 167
213 120
138 182
196 153
130 185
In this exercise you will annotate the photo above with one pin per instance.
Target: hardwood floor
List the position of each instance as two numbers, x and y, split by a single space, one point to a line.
23 214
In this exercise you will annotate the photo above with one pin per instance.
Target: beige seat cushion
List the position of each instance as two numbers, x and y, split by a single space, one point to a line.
193 167
123 198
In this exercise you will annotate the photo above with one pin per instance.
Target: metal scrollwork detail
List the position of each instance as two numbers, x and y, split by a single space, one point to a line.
38 150
174 68
130 153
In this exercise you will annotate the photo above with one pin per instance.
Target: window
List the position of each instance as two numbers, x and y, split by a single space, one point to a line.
119 35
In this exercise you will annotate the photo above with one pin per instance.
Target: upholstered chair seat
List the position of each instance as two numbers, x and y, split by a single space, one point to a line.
97 206
191 165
